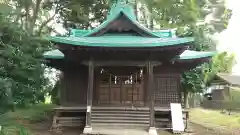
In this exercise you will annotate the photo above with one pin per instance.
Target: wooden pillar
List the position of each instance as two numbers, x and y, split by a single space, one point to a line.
88 127
150 88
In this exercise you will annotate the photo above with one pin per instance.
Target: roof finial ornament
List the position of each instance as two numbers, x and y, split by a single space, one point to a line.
120 2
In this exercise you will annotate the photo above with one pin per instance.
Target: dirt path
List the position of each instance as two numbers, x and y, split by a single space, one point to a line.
43 129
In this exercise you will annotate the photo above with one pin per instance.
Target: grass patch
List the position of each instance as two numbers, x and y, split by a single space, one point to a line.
33 113
15 130
16 123
214 118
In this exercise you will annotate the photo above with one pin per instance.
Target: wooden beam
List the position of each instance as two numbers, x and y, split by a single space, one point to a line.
150 88
109 87
123 63
88 127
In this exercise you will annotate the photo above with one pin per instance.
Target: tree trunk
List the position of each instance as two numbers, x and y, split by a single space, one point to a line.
33 20
186 103
136 9
151 19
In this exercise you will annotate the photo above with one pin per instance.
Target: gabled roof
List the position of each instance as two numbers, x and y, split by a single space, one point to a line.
169 33
120 13
143 38
121 8
230 78
160 38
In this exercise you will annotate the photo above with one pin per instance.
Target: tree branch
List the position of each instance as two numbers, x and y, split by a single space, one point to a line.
36 10
45 23
58 7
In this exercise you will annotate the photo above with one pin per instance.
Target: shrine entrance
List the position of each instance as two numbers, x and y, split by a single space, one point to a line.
120 89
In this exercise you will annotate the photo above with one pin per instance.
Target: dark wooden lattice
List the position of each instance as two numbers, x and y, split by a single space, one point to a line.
166 90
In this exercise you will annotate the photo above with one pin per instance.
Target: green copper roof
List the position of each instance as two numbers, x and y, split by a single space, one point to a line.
121 6
54 54
165 33
121 41
117 10
116 16
157 39
79 32
160 33
188 54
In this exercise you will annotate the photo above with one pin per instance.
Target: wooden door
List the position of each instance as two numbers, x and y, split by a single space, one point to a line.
115 94
120 91
133 94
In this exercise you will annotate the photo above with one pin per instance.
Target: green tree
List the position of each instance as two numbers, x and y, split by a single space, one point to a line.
84 14
196 80
33 15
172 13
193 80
218 15
221 63
21 69
186 15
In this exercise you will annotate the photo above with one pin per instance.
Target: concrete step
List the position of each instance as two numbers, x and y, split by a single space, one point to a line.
120 118
120 131
119 121
162 120
120 112
119 115
70 118
120 125
121 108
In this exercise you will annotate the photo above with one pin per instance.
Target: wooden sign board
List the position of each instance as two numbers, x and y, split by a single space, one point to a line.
177 118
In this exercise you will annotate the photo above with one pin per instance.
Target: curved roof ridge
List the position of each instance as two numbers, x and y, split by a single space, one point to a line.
108 21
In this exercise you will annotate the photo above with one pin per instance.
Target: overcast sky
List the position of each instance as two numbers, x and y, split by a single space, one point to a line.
229 40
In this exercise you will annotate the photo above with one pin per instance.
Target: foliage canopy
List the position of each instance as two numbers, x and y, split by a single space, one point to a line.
21 73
